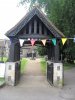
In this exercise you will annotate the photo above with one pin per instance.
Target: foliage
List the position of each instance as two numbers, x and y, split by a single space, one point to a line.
2 81
23 65
68 66
41 50
43 64
4 59
62 14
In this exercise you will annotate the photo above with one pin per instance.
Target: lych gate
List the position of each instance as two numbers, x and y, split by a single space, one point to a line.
34 25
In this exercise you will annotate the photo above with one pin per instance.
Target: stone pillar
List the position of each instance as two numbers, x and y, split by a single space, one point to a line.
55 74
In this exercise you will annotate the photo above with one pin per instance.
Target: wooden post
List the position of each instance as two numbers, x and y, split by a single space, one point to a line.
14 53
45 31
30 28
35 26
49 52
40 28
56 53
25 31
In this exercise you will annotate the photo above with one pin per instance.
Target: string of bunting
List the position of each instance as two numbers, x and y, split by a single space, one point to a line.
54 41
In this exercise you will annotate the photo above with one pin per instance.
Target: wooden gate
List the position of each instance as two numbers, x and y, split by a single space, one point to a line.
50 73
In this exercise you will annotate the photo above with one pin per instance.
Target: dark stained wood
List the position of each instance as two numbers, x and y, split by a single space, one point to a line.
40 28
24 32
45 30
35 26
27 28
34 12
30 27
14 54
35 36
56 52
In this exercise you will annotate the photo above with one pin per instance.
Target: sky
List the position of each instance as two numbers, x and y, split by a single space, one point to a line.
10 14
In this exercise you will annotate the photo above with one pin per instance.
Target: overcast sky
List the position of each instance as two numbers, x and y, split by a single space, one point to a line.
10 14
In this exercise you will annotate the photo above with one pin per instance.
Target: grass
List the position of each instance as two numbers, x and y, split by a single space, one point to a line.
2 81
68 66
43 64
23 65
4 59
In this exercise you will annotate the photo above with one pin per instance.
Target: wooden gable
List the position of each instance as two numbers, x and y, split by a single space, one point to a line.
34 25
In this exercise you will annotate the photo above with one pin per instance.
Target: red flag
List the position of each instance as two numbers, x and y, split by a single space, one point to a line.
32 41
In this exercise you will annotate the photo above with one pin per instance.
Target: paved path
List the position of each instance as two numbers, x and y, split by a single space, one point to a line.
33 76
33 68
39 89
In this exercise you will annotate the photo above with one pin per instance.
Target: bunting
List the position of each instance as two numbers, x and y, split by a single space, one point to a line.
43 41
28 38
32 42
63 40
74 39
21 42
54 41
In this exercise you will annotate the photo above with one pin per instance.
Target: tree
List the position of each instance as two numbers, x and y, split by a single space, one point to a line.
41 50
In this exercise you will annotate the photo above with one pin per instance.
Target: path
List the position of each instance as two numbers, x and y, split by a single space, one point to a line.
33 76
39 89
33 68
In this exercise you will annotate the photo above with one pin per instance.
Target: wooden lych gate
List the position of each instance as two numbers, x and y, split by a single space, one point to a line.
33 25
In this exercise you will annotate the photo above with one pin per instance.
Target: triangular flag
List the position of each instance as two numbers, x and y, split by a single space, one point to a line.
74 40
28 38
21 42
43 41
64 40
54 41
32 41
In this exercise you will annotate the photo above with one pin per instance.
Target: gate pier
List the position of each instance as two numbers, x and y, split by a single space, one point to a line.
55 74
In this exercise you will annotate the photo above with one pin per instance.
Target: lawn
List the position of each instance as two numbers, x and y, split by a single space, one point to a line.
68 66
4 59
43 64
23 65
2 81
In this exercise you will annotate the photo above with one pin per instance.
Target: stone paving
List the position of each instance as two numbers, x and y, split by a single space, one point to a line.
35 87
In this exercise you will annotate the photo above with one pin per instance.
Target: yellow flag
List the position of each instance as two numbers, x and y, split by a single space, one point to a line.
64 40
43 41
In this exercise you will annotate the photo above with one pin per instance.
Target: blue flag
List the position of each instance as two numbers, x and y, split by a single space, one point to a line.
54 41
74 39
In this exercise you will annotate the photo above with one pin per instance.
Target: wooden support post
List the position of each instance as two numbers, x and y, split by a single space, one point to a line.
45 31
40 28
24 31
56 53
30 28
14 53
35 26
49 49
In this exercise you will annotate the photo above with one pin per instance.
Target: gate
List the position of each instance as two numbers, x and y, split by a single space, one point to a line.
50 73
